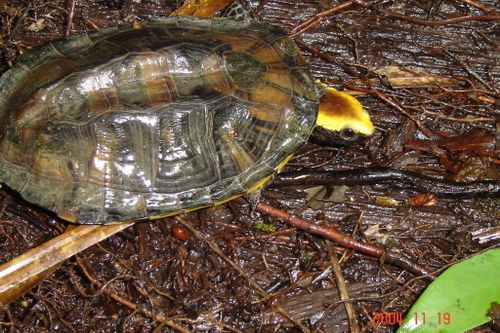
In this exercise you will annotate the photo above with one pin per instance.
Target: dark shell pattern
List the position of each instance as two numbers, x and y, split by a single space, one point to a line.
132 122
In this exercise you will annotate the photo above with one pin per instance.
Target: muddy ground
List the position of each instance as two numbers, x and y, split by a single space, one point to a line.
427 71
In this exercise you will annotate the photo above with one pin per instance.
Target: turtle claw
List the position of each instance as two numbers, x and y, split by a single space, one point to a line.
253 199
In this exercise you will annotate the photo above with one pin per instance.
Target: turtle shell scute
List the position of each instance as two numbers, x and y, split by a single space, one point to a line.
148 120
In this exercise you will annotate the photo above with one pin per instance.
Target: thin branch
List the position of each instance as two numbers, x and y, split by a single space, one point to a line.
435 23
106 289
482 7
258 289
443 116
343 292
338 237
71 13
396 105
319 17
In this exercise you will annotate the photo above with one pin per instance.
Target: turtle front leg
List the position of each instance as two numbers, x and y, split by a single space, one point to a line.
201 8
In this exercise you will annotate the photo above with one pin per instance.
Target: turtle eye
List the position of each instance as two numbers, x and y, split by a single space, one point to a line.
348 134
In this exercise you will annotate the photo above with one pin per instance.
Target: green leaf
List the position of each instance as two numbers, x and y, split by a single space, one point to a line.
459 299
265 227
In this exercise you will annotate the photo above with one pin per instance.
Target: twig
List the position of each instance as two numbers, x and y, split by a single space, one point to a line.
443 116
435 23
392 103
482 7
258 289
22 270
396 105
104 287
338 237
318 17
343 292
13 30
260 7
469 70
71 13
316 52
381 175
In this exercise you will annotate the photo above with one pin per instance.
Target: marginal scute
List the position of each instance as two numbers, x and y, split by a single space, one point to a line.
142 121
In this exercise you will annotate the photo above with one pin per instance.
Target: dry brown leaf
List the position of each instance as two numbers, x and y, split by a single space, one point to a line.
404 77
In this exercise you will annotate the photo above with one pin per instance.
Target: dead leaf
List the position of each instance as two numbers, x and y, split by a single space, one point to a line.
37 25
387 202
423 200
470 152
404 77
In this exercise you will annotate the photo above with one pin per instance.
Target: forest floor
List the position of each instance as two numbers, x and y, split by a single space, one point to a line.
428 73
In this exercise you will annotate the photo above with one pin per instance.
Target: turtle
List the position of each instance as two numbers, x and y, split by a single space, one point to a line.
151 119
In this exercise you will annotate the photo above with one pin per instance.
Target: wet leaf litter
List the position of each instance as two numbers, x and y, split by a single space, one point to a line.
148 266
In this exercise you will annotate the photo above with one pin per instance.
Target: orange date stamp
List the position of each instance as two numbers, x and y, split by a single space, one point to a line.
417 318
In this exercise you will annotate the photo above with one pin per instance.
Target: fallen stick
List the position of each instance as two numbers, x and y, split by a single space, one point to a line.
22 273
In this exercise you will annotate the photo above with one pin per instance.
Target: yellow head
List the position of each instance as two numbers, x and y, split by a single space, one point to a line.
341 117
